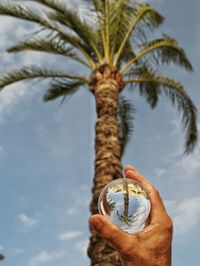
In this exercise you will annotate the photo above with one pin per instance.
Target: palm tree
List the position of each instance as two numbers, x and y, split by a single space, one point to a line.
113 44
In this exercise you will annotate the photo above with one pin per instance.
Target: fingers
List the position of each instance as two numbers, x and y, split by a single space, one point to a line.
157 206
109 231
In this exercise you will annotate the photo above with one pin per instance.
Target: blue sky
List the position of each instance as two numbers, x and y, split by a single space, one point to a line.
47 154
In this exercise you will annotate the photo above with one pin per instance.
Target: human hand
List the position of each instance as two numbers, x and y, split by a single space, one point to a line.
149 247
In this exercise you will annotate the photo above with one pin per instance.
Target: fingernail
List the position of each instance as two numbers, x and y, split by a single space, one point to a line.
129 172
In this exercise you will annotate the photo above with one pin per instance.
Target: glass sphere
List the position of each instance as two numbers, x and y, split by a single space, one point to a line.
126 203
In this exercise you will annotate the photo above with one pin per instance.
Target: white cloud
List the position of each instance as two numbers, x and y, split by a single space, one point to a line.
175 127
9 99
185 214
187 167
10 37
69 235
184 168
44 257
79 204
178 165
158 172
82 247
6 27
27 221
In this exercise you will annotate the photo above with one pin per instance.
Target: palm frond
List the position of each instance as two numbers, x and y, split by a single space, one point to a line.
102 9
71 19
126 55
141 14
184 104
34 72
53 4
125 117
165 50
80 46
62 88
50 44
120 20
107 28
179 98
89 37
117 21
144 79
22 12
138 69
16 10
98 6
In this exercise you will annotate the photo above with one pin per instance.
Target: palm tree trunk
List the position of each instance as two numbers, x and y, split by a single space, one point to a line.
105 86
126 198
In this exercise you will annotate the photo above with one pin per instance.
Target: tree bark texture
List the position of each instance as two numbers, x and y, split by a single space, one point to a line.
106 86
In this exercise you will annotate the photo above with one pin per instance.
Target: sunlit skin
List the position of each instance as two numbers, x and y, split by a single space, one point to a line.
150 247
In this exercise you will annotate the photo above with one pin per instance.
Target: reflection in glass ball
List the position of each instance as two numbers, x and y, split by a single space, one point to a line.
125 203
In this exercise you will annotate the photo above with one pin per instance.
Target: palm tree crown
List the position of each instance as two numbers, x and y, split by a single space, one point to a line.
117 38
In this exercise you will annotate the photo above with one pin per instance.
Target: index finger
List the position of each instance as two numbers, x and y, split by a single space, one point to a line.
157 206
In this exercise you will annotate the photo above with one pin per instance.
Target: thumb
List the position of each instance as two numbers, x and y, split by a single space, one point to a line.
109 231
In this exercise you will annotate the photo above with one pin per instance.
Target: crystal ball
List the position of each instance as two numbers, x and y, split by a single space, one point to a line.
126 203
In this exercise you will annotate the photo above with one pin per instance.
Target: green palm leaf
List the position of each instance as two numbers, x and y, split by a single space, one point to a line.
62 88
14 9
103 9
71 19
53 4
23 12
49 44
165 50
141 14
176 94
79 45
149 90
182 101
33 72
98 6
125 117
